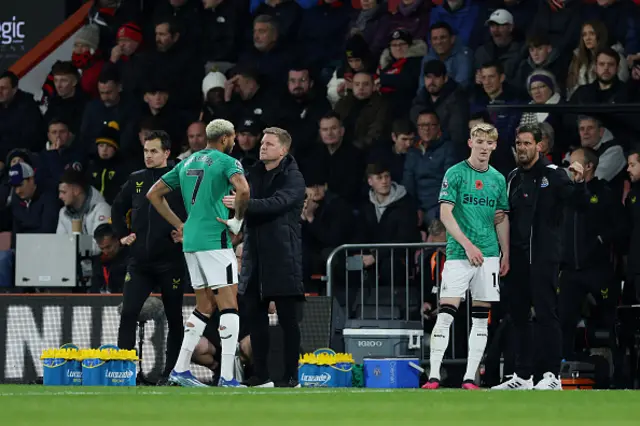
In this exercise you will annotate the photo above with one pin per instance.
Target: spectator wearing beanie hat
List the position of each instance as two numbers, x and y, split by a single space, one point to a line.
213 95
109 171
87 58
357 58
126 57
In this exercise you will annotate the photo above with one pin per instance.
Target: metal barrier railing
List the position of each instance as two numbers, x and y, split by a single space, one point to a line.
388 252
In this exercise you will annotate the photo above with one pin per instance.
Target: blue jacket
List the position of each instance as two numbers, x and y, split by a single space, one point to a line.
459 65
305 4
39 216
321 34
423 173
467 23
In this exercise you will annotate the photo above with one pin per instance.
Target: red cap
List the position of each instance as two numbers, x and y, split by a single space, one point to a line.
131 31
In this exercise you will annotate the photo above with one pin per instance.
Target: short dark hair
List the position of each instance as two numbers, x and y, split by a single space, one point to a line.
13 78
109 73
608 51
174 26
590 156
64 68
441 25
482 115
428 112
635 150
537 40
72 176
493 64
267 19
103 231
165 139
378 168
402 126
534 129
330 116
57 120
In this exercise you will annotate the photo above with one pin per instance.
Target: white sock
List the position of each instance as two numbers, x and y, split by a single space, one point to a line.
477 345
229 329
191 338
439 342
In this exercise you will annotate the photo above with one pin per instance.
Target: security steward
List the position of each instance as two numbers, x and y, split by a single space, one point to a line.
156 261
538 194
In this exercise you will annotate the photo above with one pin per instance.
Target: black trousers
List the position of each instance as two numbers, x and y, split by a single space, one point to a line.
139 283
289 316
538 345
574 287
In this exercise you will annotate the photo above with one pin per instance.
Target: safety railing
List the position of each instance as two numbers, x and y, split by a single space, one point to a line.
378 285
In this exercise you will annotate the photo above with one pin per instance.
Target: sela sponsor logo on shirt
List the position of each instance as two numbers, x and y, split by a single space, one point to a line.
473 200
12 32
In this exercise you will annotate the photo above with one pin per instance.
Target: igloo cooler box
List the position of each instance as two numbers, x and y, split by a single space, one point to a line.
382 338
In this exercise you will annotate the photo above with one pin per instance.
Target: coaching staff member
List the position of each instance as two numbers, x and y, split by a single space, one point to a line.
272 255
155 259
538 194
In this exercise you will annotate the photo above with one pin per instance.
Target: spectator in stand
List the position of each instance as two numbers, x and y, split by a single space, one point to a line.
222 33
393 154
620 20
187 15
158 103
449 49
62 151
582 69
544 90
111 106
481 116
82 203
269 55
247 95
496 91
502 48
110 170
6 190
173 61
465 17
69 101
363 112
286 14
358 58
320 39
372 23
327 222
34 209
591 233
389 216
608 89
196 138
522 11
542 56
126 57
611 158
399 70
213 91
21 123
547 144
442 94
560 20
426 163
109 269
301 109
110 16
88 58
338 161
413 16
247 150
632 206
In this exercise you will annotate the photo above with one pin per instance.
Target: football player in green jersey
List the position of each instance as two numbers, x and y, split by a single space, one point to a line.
471 194
204 178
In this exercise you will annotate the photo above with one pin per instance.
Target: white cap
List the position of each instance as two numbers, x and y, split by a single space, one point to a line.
500 17
211 81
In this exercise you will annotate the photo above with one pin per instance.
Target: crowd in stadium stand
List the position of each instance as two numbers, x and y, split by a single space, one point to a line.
377 96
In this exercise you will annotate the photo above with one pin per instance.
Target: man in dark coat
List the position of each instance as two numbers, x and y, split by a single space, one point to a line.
272 255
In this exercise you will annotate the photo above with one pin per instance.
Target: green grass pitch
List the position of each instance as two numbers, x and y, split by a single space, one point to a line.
158 406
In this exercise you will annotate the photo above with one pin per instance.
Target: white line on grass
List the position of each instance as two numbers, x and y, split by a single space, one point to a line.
218 391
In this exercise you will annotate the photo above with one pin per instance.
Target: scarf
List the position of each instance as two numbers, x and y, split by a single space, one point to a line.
364 17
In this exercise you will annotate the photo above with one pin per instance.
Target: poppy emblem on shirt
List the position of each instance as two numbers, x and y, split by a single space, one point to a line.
479 185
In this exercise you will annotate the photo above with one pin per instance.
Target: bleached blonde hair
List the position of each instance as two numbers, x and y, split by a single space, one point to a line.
484 129
219 128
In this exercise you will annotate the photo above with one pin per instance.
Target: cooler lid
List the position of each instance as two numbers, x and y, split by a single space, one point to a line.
381 332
